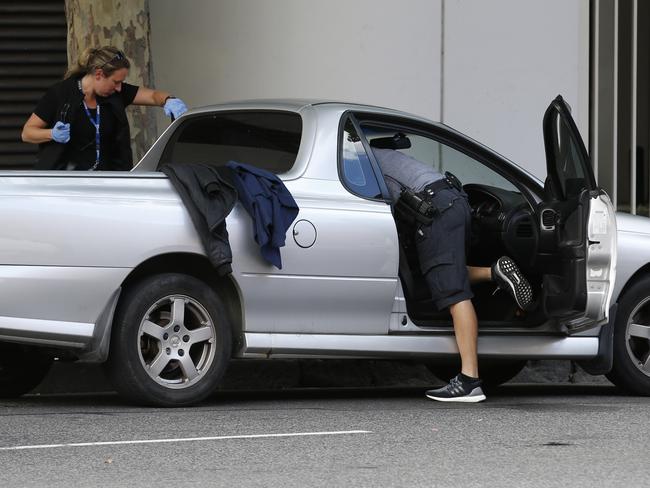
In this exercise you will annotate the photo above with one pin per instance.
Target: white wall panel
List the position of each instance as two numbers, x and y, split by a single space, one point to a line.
504 61
377 52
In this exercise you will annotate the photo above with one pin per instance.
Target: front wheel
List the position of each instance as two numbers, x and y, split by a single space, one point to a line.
631 367
171 341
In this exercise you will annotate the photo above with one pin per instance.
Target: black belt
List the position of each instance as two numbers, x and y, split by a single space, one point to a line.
435 187
448 181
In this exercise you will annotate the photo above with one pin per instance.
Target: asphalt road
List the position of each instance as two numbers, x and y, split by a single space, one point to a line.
543 435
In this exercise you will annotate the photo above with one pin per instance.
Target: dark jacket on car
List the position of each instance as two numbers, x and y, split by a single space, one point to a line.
209 198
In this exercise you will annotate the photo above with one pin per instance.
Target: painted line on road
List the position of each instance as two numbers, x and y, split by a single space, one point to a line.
182 439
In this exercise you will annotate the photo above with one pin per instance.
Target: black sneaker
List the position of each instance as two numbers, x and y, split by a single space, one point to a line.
458 390
507 275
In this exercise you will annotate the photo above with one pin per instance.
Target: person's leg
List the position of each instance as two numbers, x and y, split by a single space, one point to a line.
443 263
466 386
478 274
465 322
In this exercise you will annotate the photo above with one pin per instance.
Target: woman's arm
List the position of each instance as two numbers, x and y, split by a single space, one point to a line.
35 130
147 96
174 107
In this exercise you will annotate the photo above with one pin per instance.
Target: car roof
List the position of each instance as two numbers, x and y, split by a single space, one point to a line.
322 105
300 104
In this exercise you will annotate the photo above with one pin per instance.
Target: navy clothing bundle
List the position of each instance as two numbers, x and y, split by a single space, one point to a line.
209 198
270 205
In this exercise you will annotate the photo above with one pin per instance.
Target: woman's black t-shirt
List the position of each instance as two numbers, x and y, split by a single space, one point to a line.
80 151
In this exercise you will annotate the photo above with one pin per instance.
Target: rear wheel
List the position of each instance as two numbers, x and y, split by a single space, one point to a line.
22 368
170 343
631 368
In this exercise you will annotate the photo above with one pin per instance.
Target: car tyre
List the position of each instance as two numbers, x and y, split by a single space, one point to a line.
170 342
22 368
631 347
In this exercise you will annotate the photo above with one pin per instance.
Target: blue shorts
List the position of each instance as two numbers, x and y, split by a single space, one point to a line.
441 248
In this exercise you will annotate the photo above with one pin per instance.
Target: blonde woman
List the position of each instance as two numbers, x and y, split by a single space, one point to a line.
80 123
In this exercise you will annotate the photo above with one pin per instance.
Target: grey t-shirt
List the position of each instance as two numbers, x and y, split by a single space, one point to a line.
401 170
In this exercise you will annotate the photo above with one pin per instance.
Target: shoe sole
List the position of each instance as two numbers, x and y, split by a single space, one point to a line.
465 399
510 270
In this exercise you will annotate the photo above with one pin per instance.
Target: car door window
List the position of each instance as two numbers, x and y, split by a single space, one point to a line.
266 139
440 156
568 162
355 168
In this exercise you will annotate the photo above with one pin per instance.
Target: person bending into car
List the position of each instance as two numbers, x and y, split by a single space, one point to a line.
80 123
440 244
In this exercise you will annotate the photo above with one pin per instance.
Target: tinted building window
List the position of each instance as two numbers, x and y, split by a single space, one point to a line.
267 140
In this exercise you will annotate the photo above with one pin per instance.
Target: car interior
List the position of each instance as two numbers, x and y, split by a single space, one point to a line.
503 223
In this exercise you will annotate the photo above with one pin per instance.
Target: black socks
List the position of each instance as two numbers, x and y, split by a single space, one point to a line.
468 379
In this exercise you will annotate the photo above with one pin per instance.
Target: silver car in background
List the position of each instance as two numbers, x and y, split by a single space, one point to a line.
107 267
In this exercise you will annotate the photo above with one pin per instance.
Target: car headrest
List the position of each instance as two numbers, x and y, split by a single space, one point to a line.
398 141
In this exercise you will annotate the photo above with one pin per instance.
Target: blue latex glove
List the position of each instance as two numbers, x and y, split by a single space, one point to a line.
61 132
174 107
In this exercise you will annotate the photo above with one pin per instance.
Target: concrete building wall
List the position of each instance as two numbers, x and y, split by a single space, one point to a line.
364 50
486 68
504 61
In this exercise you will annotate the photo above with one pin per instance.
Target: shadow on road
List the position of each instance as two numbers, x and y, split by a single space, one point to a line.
505 393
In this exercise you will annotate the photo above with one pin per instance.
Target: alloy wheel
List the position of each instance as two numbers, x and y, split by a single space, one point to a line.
637 336
177 341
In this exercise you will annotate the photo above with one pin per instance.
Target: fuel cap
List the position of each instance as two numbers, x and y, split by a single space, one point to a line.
304 233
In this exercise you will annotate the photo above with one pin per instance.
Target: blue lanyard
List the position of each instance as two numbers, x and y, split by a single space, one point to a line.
95 122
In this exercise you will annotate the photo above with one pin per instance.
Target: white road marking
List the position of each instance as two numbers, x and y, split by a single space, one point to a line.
186 439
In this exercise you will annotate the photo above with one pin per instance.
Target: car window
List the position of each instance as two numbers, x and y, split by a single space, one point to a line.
569 161
440 156
355 168
267 140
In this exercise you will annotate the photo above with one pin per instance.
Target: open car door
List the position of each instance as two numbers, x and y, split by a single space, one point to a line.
577 229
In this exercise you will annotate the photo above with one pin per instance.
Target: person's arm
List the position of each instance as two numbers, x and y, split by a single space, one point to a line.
46 123
173 106
147 96
35 130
